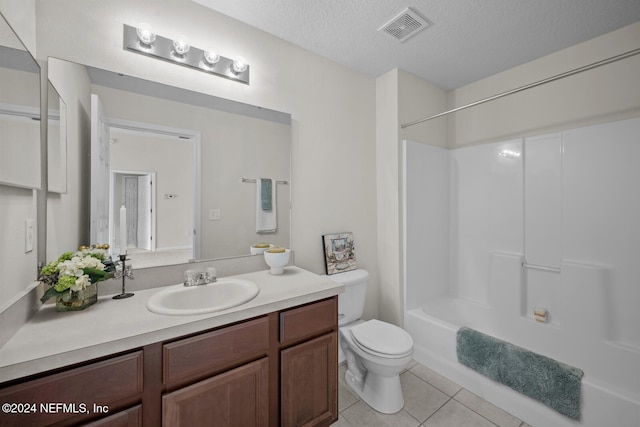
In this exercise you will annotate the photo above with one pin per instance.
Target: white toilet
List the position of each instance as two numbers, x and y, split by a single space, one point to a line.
376 352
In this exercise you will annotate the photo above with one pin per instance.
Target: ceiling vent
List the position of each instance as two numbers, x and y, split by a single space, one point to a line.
406 25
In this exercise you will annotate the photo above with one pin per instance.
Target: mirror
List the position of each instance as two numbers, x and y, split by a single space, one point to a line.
179 162
56 141
19 112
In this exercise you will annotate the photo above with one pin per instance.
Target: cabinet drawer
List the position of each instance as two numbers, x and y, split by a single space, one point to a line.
107 383
129 418
208 353
308 321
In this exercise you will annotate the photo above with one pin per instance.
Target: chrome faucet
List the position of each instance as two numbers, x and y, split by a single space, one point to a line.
197 278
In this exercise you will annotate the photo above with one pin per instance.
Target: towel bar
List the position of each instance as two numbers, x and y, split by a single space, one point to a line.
254 180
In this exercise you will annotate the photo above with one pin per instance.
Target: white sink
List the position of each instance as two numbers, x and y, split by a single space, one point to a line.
201 299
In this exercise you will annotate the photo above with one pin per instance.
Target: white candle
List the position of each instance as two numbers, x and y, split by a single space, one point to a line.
123 230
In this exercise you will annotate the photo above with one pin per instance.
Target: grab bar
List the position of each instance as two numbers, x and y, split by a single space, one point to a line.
541 267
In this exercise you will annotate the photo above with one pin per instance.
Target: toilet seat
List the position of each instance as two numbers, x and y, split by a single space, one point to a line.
382 339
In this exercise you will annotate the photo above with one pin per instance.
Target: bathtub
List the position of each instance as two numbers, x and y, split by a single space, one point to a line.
493 231
433 328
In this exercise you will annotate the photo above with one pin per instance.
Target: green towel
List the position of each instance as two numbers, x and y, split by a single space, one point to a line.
553 383
265 194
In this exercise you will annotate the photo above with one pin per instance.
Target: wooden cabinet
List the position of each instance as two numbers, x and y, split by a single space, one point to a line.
205 354
239 397
274 370
308 321
236 397
309 367
131 417
76 395
309 389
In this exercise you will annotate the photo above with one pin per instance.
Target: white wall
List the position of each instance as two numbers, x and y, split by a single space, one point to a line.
21 15
17 268
400 97
332 108
604 93
68 214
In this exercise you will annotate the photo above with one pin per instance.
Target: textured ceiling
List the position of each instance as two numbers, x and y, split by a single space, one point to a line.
469 39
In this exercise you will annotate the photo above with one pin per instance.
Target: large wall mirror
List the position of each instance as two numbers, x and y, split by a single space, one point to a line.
19 112
179 168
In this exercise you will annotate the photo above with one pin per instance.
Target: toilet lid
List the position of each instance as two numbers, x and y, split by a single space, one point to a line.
382 337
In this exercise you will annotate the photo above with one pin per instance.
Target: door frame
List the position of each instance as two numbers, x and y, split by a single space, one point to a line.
190 135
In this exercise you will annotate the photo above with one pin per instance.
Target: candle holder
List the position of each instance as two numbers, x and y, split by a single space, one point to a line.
124 272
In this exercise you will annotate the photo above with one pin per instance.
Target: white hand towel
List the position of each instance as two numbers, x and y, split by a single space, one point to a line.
266 221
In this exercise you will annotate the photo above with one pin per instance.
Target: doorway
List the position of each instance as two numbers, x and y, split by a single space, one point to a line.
135 191
130 163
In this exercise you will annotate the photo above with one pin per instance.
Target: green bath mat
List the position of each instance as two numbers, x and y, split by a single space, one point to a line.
553 383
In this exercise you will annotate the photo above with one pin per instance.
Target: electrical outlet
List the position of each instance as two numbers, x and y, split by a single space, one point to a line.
214 214
29 235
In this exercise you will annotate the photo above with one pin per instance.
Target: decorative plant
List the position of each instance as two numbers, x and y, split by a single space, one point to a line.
74 271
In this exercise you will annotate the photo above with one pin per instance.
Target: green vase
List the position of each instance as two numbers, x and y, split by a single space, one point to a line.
78 300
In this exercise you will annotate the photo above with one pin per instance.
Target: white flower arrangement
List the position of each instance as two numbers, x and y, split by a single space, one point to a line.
74 271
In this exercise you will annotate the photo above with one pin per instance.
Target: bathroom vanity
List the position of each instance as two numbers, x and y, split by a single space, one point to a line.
269 362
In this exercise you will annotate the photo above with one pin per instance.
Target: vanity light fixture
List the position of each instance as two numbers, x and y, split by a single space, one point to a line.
239 65
211 56
181 46
142 40
145 35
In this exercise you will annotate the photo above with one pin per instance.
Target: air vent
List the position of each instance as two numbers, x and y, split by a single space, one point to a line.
406 25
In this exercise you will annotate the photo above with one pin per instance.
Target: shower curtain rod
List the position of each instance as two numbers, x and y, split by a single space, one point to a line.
530 85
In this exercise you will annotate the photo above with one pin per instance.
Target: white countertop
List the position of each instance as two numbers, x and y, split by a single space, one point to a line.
51 339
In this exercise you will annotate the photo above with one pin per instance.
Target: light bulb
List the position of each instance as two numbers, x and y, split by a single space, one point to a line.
239 65
145 35
181 45
211 56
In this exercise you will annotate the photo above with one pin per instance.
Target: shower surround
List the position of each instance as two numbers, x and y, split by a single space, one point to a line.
494 231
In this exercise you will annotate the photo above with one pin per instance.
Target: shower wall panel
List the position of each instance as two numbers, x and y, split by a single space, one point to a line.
426 214
486 213
601 210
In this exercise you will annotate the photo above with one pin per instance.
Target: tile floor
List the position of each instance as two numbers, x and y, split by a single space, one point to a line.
430 401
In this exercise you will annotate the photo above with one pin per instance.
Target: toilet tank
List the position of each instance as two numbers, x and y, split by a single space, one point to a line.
351 302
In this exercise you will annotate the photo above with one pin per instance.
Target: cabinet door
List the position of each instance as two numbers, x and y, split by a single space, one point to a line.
309 390
239 397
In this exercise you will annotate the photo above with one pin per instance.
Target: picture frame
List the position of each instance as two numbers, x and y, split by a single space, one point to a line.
339 254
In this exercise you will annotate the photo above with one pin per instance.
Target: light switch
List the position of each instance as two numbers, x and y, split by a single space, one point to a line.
214 214
29 235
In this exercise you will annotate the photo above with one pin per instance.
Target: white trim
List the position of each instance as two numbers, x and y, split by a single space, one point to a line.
17 297
20 110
